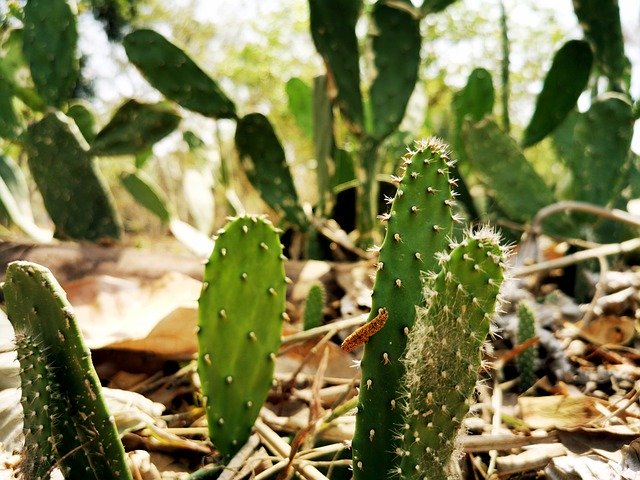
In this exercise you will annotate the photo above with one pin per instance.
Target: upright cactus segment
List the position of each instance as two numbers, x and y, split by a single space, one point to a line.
50 38
334 36
241 308
312 316
444 353
134 128
65 418
176 75
265 164
396 45
418 225
74 192
601 24
526 360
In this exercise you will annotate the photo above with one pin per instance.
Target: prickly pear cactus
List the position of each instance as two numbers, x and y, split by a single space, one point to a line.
134 128
396 46
148 194
66 422
75 194
263 160
241 308
50 38
176 75
418 224
565 81
444 353
526 360
335 39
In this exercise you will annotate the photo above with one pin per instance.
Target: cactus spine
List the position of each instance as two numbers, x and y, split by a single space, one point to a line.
241 308
65 419
418 224
444 353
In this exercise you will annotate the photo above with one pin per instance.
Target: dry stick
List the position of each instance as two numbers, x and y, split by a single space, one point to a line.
496 421
601 251
239 458
281 448
600 291
310 354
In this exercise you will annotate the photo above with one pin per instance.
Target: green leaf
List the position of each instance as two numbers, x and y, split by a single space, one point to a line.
147 194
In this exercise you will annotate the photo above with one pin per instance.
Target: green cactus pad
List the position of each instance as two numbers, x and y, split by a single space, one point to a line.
176 75
418 224
300 102
81 113
600 21
525 361
517 188
333 28
147 194
66 421
599 153
444 353
74 193
241 308
49 46
565 81
264 162
11 124
396 46
435 6
134 128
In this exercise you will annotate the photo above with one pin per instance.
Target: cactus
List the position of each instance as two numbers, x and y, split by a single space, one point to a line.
147 194
526 360
170 70
300 103
601 24
49 46
74 193
241 308
444 353
518 190
263 160
599 156
418 224
565 81
66 422
11 123
83 116
396 46
335 39
134 128
312 316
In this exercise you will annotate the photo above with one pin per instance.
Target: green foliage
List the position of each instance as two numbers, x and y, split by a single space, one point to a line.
418 225
147 194
241 308
84 118
10 121
66 422
444 352
49 46
74 192
526 360
435 6
171 71
313 306
263 160
565 81
134 128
